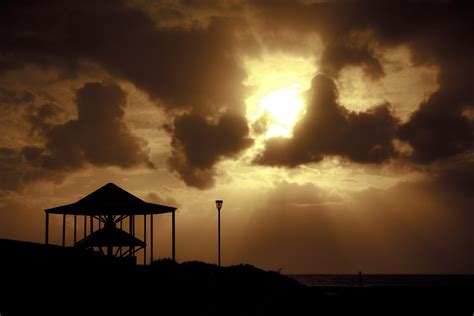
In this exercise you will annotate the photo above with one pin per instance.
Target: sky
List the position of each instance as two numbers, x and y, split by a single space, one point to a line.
340 134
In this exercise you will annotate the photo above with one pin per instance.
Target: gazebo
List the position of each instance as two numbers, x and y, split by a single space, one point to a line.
110 206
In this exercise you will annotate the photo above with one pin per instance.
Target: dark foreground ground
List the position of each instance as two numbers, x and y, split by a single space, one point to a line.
45 283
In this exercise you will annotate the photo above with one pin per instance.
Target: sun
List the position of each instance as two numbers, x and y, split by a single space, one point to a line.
277 83
283 107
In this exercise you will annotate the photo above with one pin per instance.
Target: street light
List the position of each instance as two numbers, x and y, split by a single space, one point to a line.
219 206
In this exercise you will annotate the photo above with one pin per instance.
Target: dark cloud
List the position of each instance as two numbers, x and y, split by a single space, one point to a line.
330 129
11 179
16 169
42 117
437 130
99 136
194 68
437 32
14 97
338 55
181 67
199 143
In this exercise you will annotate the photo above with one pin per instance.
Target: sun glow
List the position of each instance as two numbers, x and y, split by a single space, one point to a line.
283 107
277 82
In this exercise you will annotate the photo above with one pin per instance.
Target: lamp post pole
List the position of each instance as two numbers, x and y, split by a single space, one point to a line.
219 206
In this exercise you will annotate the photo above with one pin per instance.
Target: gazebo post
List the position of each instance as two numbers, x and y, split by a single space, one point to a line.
173 236
85 226
144 239
109 225
75 232
91 225
121 226
151 238
64 230
133 232
130 231
46 236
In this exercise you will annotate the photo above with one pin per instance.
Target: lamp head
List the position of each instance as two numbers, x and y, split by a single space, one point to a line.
219 204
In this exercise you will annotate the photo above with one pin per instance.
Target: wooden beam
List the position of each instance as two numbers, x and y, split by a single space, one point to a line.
173 246
64 230
46 232
91 225
126 253
119 218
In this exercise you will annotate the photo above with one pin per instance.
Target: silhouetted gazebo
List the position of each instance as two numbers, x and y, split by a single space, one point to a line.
110 206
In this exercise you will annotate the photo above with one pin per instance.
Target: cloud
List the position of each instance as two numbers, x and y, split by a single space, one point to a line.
42 117
184 68
198 144
99 136
181 66
14 97
356 33
330 129
155 198
16 169
439 129
338 55
185 56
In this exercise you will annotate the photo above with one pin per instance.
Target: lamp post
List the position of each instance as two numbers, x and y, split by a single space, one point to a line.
219 206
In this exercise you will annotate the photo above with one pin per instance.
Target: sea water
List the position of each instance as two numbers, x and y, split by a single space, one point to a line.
385 279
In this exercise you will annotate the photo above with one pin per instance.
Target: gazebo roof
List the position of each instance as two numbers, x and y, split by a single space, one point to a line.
110 200
111 236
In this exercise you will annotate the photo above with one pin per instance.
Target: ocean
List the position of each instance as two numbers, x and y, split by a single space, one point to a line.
385 279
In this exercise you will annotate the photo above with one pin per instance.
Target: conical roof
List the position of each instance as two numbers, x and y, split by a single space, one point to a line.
111 200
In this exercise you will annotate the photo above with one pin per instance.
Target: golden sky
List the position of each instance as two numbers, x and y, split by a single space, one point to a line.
338 142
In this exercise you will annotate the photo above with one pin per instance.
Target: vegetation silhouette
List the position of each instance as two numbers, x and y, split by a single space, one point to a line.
66 280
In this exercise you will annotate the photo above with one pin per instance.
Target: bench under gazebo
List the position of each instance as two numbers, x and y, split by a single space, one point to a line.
110 206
